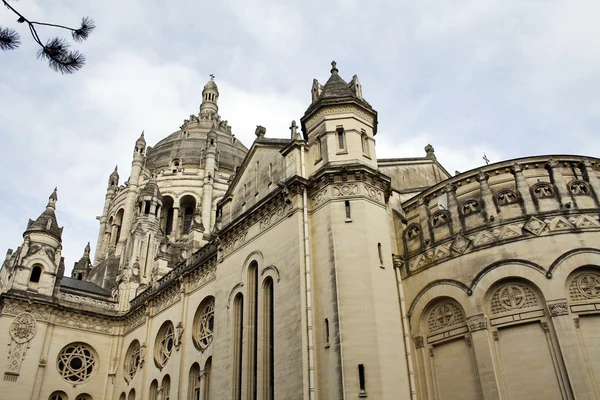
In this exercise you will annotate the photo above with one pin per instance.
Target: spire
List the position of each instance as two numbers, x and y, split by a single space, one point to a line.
46 222
140 144
52 199
141 140
113 179
210 97
82 267
86 251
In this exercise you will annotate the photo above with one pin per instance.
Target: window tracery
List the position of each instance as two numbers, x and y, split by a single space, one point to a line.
439 218
76 362
132 359
506 197
83 396
585 286
445 315
513 296
165 341
543 190
58 396
471 207
413 232
579 188
204 323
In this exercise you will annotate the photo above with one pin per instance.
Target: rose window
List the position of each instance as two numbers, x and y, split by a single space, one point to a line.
132 359
76 362
204 323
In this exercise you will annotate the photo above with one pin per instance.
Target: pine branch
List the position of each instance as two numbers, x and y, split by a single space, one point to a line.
56 50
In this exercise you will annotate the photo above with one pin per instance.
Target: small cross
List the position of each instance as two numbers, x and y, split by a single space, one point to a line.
212 77
487 161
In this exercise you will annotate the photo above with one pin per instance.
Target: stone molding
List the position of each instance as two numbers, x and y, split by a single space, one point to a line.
477 322
558 308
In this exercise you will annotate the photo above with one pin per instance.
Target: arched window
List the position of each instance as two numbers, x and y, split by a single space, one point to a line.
153 390
269 344
253 329
83 396
131 395
207 368
123 396
238 338
163 346
166 387
204 323
58 396
365 143
132 359
188 205
36 273
194 385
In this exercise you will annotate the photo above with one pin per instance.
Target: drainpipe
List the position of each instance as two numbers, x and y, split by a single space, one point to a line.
406 331
307 266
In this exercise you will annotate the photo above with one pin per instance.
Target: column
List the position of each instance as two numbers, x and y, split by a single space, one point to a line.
202 378
450 191
489 207
592 178
523 189
484 356
175 228
564 195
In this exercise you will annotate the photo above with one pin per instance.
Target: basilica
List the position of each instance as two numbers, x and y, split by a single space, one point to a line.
305 267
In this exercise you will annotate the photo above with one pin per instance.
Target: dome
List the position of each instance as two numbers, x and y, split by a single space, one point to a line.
211 85
189 145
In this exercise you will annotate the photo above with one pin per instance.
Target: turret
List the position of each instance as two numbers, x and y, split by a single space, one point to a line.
103 239
210 96
209 175
82 267
345 132
134 180
37 265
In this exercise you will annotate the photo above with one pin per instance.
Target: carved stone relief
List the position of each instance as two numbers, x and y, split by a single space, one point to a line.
22 330
477 322
558 308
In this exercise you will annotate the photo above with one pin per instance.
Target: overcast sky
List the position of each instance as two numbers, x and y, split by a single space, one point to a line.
505 78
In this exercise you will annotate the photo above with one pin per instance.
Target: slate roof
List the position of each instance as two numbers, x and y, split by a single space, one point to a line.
83 286
46 222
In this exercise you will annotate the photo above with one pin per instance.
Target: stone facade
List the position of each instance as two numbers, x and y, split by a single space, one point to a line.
306 268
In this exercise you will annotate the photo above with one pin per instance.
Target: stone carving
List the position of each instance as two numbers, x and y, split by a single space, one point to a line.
477 322
319 197
338 110
545 327
534 226
23 328
471 207
440 218
495 335
468 340
589 285
203 275
344 190
275 216
84 322
460 244
576 321
134 320
40 313
559 308
76 362
579 188
373 193
166 299
419 342
444 315
506 197
413 232
543 190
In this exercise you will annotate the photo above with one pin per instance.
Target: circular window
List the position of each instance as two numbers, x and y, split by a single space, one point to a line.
58 396
165 340
76 362
204 323
132 359
84 396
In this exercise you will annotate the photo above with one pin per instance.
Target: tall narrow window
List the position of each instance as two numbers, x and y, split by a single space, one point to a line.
166 388
207 368
318 154
341 138
270 173
36 273
194 385
188 214
361 380
365 143
269 349
169 226
256 177
154 390
348 216
326 332
379 252
238 338
252 329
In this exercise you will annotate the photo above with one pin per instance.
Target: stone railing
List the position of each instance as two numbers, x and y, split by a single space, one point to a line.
499 202
88 301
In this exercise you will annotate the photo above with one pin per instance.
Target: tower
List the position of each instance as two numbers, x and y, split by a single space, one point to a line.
103 235
210 95
37 265
355 324
83 266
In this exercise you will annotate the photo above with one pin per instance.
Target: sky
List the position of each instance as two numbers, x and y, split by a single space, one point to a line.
472 77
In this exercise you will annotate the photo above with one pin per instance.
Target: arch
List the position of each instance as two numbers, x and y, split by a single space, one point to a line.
441 314
257 256
166 218
194 383
204 321
236 290
207 376
583 284
569 261
132 360
498 264
123 396
166 387
187 206
237 344
58 395
131 395
36 273
153 394
268 347
164 343
271 271
458 290
512 294
83 396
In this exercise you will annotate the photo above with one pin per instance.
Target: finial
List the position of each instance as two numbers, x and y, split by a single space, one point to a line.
142 134
334 67
212 77
52 199
294 130
87 249
260 131
430 152
116 167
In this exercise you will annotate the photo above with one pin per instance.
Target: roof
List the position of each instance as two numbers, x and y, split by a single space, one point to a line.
151 189
83 286
46 222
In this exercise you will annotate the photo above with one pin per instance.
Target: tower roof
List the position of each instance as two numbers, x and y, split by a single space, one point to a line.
151 189
46 222
211 85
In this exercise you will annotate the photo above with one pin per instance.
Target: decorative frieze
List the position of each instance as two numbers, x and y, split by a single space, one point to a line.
39 312
85 322
134 320
203 275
